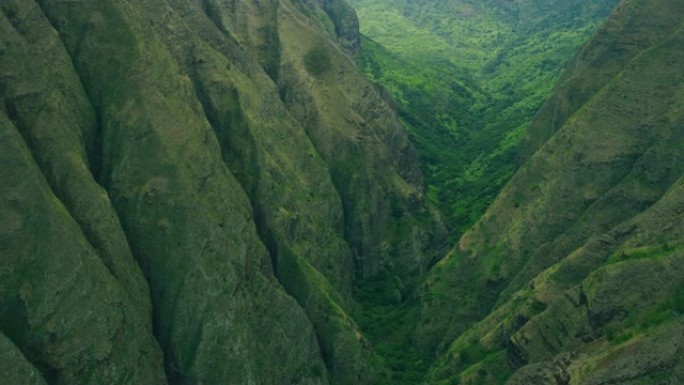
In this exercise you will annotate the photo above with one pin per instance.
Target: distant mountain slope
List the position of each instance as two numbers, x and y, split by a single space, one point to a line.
190 189
573 275
210 192
468 77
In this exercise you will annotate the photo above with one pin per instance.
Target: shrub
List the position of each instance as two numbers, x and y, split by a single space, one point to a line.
317 61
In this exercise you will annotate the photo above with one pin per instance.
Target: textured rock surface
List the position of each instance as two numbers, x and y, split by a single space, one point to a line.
190 189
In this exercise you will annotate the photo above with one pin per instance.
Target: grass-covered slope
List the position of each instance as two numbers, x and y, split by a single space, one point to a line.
190 188
573 274
468 77
210 192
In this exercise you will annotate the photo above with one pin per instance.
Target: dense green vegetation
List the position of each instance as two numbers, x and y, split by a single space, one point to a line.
389 323
581 252
468 77
211 192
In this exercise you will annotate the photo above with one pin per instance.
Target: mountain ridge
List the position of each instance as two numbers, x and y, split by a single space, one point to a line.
211 192
201 192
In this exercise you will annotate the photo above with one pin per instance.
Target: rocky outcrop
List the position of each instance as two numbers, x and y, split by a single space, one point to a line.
192 187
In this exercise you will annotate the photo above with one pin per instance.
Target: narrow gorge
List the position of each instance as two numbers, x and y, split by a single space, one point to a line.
279 192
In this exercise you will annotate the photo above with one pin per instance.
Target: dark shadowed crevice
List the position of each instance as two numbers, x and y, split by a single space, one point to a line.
91 83
239 153
237 144
42 164
341 172
173 370
96 152
214 16
32 143
92 145
13 313
13 324
18 364
13 321
10 110
268 51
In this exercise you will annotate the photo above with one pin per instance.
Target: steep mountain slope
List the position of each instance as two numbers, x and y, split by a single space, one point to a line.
468 77
573 275
190 189
209 192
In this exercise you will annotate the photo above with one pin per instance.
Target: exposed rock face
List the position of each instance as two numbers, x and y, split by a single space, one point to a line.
573 274
189 190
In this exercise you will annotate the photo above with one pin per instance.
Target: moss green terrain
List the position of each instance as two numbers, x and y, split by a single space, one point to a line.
190 190
468 78
212 192
572 275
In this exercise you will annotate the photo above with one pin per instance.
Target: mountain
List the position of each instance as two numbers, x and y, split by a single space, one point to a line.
573 276
212 192
468 78
190 190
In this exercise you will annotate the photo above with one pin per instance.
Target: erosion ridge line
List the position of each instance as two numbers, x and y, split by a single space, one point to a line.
214 192
169 166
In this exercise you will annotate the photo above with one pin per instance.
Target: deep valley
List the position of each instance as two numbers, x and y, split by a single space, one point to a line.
318 192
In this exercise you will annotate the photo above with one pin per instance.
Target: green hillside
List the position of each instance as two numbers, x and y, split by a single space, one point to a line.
213 192
468 77
573 274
